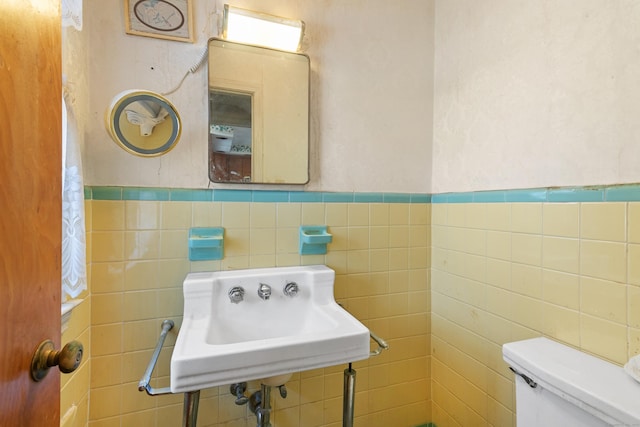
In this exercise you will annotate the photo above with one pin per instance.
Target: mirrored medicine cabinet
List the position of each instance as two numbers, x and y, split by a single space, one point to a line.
258 115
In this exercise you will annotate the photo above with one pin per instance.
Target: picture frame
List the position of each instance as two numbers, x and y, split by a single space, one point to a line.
162 19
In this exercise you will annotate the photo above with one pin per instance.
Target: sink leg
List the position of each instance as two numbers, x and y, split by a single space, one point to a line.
190 408
348 397
263 407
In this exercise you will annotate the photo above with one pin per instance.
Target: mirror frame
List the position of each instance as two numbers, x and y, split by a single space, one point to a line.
257 133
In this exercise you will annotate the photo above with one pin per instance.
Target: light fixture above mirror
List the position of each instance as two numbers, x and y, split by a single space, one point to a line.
261 29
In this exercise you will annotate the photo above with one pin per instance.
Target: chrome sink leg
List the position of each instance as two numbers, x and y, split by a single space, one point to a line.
348 396
190 408
264 411
260 404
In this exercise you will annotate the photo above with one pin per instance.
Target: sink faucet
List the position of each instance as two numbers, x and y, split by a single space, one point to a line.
264 291
236 294
291 289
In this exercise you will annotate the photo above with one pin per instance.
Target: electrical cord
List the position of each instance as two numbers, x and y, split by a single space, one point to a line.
192 70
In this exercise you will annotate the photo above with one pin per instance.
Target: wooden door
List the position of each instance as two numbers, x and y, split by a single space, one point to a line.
30 206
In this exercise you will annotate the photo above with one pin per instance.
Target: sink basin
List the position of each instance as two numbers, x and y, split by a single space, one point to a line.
223 342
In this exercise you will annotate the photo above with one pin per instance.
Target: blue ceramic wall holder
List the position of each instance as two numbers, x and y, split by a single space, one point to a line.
206 243
314 239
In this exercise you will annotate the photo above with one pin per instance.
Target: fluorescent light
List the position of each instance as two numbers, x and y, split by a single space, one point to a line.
255 28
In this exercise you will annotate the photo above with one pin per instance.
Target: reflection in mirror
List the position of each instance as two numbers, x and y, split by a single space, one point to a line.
258 115
230 136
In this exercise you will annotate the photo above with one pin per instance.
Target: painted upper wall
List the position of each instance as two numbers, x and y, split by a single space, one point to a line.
535 94
371 93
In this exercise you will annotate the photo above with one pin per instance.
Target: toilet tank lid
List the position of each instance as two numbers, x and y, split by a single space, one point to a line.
588 380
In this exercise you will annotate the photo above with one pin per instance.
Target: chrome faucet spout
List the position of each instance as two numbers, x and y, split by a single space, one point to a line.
264 291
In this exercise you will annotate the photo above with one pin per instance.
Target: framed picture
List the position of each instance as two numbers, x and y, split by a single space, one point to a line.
163 19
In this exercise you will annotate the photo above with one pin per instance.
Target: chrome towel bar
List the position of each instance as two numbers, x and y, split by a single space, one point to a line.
382 344
191 398
143 385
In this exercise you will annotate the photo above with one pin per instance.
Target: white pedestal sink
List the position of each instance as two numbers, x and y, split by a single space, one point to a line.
223 342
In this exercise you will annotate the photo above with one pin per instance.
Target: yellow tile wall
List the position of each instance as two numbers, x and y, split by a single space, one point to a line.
503 272
74 387
381 255
499 272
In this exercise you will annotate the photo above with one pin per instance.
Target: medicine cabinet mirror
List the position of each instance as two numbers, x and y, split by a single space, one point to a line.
258 115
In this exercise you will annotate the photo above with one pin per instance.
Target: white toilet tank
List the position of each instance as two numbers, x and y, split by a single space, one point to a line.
559 386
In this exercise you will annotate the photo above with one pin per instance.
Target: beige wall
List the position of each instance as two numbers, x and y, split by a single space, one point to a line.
371 93
535 94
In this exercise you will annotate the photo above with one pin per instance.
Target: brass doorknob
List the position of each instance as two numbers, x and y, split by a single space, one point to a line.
67 359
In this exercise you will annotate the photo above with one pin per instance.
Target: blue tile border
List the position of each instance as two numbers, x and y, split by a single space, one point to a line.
183 195
397 198
134 193
439 198
420 198
270 196
460 198
611 193
106 193
575 195
490 197
226 195
524 196
232 196
305 197
338 197
626 193
368 197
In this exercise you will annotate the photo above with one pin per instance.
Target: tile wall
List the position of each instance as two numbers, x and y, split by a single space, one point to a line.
504 266
74 387
509 270
380 252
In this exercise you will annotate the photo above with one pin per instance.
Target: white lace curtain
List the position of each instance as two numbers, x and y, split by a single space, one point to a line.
74 270
72 14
